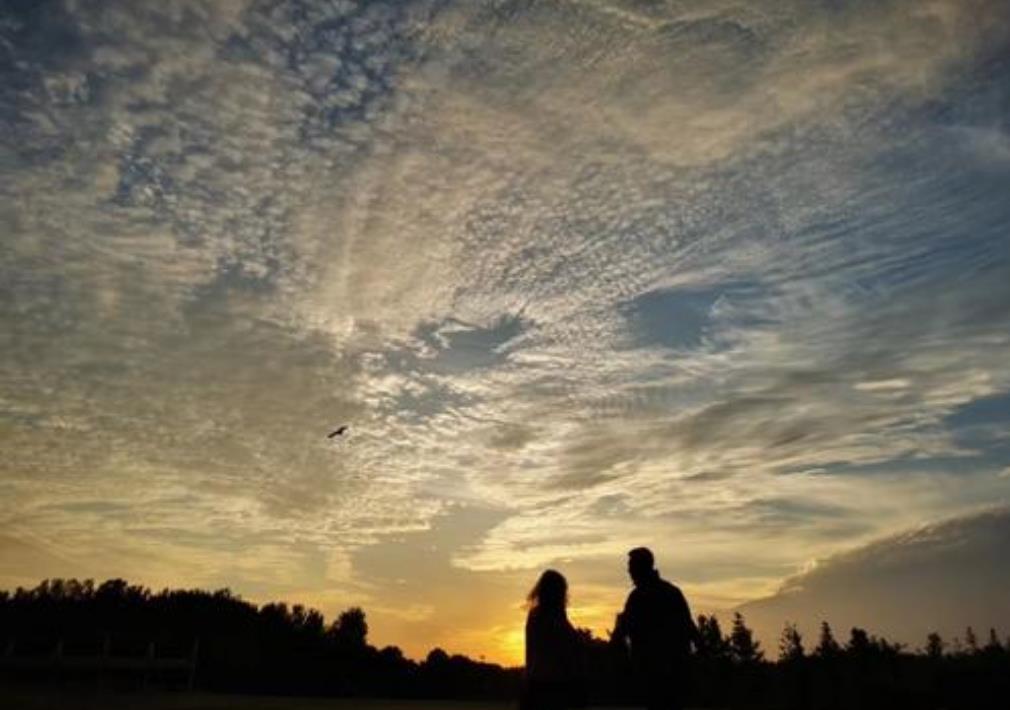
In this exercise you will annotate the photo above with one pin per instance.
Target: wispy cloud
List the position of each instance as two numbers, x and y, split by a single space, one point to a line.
620 272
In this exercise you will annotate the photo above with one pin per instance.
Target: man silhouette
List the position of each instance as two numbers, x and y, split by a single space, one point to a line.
657 628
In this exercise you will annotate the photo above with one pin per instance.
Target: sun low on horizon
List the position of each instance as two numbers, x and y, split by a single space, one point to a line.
727 280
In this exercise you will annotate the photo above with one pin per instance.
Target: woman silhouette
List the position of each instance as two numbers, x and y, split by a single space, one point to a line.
553 653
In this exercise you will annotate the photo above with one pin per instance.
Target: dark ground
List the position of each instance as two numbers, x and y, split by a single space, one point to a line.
20 699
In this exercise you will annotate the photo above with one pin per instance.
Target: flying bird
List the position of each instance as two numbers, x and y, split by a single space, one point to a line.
337 432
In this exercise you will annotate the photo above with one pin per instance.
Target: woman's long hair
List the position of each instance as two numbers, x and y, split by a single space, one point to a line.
549 594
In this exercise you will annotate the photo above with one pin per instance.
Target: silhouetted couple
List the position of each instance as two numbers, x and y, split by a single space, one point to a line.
655 628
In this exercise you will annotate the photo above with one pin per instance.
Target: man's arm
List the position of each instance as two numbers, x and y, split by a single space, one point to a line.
622 625
684 612
620 633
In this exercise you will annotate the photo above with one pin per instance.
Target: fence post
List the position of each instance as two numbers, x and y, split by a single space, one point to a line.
57 663
192 663
103 664
148 664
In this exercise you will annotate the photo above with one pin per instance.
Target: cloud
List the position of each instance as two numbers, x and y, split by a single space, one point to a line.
626 272
987 144
145 349
936 577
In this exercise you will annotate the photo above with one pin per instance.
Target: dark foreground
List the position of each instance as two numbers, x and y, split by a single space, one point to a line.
50 700
118 637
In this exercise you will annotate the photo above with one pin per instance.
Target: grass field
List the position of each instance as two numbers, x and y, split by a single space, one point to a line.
50 700
47 700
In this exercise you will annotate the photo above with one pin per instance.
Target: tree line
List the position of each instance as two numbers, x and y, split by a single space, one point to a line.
273 648
864 671
276 648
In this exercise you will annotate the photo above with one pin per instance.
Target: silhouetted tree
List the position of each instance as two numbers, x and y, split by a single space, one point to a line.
791 644
742 645
436 656
712 642
993 644
827 647
273 648
859 641
970 640
350 628
934 646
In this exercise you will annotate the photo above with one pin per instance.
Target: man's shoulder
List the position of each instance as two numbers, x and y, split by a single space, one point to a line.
639 599
670 586
654 591
670 589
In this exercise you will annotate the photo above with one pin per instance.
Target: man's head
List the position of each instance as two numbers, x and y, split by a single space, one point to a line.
641 565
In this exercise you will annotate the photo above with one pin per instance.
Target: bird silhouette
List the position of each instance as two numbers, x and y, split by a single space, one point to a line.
337 432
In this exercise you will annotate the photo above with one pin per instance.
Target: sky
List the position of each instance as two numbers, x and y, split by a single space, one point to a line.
730 280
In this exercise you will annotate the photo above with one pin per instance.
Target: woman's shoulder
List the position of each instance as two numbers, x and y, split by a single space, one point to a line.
539 616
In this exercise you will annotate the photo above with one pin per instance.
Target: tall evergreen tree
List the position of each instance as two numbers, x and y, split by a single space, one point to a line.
970 640
742 645
827 647
713 643
791 644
